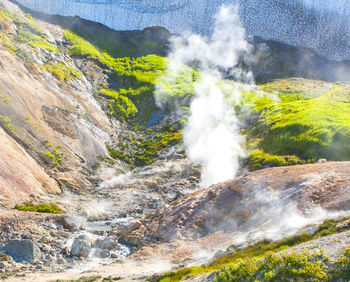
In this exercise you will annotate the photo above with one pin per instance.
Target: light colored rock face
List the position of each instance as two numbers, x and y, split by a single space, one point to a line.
20 175
41 114
319 24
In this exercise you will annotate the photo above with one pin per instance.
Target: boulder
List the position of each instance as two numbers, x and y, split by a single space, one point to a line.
107 243
23 250
81 247
128 227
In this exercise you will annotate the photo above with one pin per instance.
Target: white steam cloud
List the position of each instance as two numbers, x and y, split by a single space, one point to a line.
211 135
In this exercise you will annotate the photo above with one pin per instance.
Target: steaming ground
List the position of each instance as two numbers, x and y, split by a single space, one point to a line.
211 136
157 214
262 212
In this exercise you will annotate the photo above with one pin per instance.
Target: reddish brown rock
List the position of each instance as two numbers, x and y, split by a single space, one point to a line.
237 204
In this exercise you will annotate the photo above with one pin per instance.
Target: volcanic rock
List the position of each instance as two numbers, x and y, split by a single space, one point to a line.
108 243
81 247
23 250
248 201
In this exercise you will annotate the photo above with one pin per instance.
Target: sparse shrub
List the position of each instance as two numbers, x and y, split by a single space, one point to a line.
62 71
4 257
34 40
260 250
5 42
96 166
118 155
272 267
55 156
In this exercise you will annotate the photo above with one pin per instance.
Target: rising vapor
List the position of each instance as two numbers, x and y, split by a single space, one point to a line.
211 136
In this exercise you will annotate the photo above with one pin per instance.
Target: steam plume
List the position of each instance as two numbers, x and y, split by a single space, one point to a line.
211 135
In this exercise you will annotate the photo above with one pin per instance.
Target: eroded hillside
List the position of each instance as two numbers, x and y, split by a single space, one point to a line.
81 131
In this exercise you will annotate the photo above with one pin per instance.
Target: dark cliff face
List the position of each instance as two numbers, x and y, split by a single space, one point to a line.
319 25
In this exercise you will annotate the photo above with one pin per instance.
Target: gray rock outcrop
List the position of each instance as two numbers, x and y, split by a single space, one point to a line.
23 250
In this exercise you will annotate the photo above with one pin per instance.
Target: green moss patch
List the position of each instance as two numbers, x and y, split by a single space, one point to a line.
298 121
42 208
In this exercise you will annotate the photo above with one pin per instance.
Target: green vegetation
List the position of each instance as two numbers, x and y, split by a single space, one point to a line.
8 274
298 121
34 40
96 166
136 78
4 17
105 160
286 267
62 71
258 159
5 98
142 151
55 156
7 123
253 251
82 47
290 121
43 208
118 155
28 33
120 106
6 43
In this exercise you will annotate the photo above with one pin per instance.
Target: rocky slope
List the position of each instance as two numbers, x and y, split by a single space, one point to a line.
52 113
80 129
255 202
20 175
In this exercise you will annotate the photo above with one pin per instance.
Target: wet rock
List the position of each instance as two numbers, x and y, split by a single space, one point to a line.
23 250
128 227
134 240
102 253
65 251
114 255
108 243
81 247
38 267
99 232
71 223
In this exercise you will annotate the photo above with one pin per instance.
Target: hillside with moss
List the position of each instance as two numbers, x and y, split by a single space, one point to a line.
87 151
285 121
